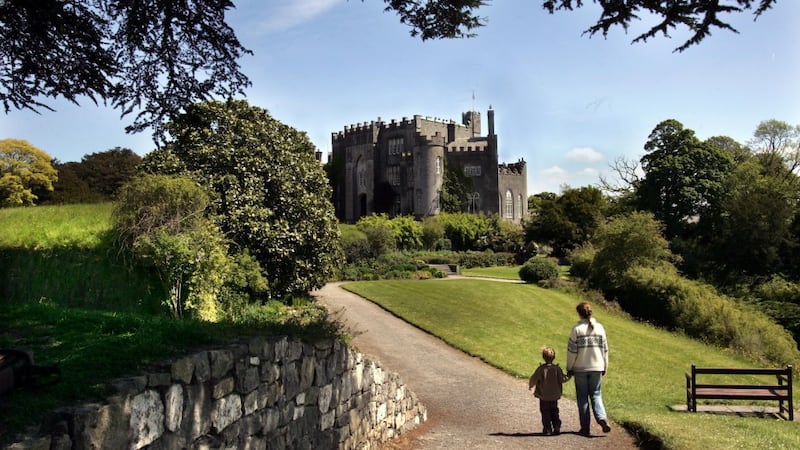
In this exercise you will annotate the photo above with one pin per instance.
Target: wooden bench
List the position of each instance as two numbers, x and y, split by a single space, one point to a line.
782 392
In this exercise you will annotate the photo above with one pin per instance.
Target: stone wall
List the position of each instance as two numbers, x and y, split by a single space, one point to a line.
275 393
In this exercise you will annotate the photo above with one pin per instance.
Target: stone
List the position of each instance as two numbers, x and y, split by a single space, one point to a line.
202 369
247 378
173 407
307 368
147 419
327 420
251 403
223 388
182 370
130 386
272 419
294 351
280 348
158 379
196 411
227 410
221 363
325 396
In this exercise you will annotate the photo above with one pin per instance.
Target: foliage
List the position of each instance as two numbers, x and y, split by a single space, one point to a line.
71 188
455 190
107 171
457 18
566 221
466 231
623 242
486 258
266 186
778 143
154 57
407 232
25 173
379 233
538 269
160 220
355 245
432 232
753 230
151 203
683 177
780 299
695 308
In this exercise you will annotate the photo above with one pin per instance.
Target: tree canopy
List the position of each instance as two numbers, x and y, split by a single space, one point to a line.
458 18
156 58
266 186
25 173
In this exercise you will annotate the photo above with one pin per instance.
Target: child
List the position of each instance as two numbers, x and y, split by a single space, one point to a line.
546 384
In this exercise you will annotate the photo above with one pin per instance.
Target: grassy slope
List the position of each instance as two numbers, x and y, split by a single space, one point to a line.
66 296
507 324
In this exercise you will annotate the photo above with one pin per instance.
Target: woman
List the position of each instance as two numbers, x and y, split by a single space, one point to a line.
587 361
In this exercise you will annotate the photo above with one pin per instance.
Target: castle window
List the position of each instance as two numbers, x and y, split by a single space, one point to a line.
438 165
519 206
461 149
395 146
472 171
509 205
393 175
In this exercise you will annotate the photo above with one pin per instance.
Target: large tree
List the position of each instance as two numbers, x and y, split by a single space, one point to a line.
25 173
155 58
270 193
566 221
458 18
683 177
107 171
150 57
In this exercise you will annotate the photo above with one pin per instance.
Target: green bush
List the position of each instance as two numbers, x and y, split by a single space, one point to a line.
661 295
538 269
485 259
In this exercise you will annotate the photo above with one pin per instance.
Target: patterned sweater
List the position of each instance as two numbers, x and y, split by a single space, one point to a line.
587 350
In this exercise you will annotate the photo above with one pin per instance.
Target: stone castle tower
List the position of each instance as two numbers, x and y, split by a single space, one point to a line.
398 168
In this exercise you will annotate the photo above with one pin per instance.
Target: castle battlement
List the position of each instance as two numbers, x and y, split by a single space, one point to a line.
517 168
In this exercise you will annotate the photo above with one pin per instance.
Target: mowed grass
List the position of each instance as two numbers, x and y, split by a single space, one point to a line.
506 325
503 272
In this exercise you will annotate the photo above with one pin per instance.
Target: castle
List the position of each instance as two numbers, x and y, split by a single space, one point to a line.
399 168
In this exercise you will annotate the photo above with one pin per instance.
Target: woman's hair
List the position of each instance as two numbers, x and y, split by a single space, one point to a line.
585 311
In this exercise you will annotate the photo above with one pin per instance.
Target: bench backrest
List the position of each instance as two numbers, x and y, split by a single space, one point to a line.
783 374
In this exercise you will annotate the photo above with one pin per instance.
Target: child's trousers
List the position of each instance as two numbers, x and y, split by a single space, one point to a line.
550 421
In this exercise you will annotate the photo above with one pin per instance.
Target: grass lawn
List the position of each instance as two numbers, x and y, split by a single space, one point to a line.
504 272
507 324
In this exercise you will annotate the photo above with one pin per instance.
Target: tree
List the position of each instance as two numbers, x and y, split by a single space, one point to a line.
155 57
739 153
778 143
70 186
455 188
267 187
25 173
683 176
623 242
457 18
107 171
568 220
158 57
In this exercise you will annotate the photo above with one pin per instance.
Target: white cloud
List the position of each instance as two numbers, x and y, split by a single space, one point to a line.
554 172
588 172
290 13
585 154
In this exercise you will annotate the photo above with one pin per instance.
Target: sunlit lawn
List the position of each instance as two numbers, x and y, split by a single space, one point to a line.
507 324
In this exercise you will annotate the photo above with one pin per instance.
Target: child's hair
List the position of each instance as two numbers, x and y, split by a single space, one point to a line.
585 311
548 354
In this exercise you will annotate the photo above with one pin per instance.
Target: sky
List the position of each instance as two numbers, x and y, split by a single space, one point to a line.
568 104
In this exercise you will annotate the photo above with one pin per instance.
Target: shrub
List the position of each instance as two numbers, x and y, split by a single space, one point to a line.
661 295
538 269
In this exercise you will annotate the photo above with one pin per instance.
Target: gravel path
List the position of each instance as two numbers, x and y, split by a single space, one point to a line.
471 405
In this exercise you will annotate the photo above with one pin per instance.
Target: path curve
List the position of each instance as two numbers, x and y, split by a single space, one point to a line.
471 405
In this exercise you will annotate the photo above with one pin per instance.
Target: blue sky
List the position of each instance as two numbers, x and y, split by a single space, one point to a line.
567 104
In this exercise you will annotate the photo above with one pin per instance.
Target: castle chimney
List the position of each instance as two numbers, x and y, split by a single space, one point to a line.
490 119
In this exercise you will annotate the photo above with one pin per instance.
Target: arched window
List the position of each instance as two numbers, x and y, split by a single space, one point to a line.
509 205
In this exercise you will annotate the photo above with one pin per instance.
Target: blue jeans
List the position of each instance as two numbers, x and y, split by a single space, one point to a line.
587 388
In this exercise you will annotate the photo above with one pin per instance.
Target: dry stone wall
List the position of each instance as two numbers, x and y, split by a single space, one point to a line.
267 393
